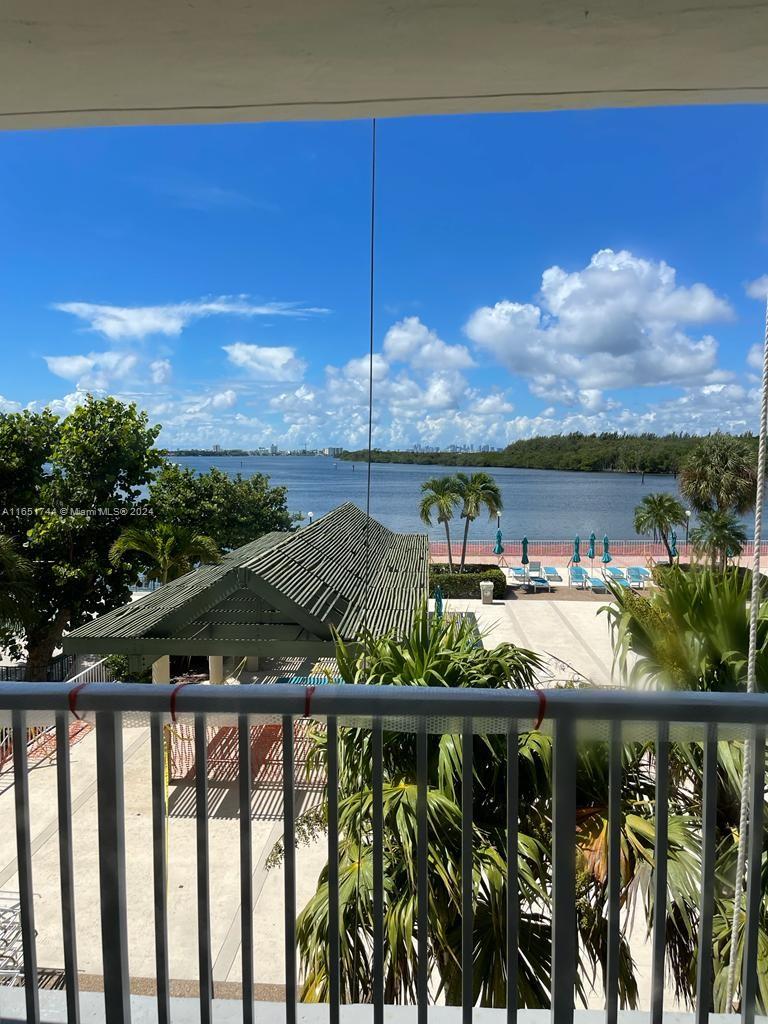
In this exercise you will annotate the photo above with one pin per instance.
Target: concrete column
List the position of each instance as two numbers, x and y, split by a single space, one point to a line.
252 663
216 668
161 669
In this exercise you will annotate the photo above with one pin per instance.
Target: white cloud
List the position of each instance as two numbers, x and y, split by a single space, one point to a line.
6 405
758 289
618 322
360 369
224 399
411 341
755 357
119 323
68 403
94 370
268 363
160 370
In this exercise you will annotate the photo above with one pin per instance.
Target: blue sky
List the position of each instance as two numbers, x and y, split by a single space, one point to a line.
534 273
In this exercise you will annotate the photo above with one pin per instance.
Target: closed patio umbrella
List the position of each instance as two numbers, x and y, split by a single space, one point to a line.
673 545
576 557
524 559
498 547
438 602
591 551
607 557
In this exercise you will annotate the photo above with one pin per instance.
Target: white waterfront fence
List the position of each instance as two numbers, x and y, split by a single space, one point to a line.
633 548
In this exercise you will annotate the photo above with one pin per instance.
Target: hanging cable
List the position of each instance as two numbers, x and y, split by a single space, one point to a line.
371 311
367 580
754 608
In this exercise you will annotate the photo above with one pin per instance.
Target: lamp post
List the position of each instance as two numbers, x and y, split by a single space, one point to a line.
687 526
309 517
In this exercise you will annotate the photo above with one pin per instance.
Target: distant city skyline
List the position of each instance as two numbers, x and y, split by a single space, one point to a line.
535 274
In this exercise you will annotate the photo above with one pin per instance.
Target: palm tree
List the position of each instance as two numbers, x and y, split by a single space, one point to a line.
720 473
477 491
446 654
166 550
718 537
693 634
441 496
659 512
15 574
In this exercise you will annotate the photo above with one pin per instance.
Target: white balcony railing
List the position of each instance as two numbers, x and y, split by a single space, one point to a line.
570 714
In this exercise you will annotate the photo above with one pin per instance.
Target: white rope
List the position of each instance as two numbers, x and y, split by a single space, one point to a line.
751 672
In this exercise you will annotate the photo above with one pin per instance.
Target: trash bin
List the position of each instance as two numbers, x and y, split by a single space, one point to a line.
486 591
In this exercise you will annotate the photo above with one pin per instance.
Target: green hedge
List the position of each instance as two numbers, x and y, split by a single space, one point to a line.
467 583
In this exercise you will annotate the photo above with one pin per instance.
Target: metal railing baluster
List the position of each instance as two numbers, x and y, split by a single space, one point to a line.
24 855
160 871
112 888
377 796
754 881
614 875
467 917
708 831
66 871
246 868
660 874
289 860
513 901
333 869
205 962
563 872
422 877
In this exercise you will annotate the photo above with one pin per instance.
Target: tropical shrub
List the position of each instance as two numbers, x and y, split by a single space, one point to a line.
118 666
445 654
694 635
467 583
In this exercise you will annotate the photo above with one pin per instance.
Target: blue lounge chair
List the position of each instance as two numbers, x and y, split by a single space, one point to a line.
577 576
615 574
619 581
552 574
637 578
595 583
638 570
534 583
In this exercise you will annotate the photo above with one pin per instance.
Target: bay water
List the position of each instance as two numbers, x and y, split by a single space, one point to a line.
540 504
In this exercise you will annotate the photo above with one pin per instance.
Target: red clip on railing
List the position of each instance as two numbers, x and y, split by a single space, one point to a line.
73 699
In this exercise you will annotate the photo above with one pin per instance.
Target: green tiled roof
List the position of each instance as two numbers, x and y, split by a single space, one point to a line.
279 594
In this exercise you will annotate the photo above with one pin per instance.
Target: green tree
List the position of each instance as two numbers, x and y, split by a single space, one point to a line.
446 654
440 496
659 512
165 551
477 491
721 473
15 576
231 510
718 537
693 634
68 488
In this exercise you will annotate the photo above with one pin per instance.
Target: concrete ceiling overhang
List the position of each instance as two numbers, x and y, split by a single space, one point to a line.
100 62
